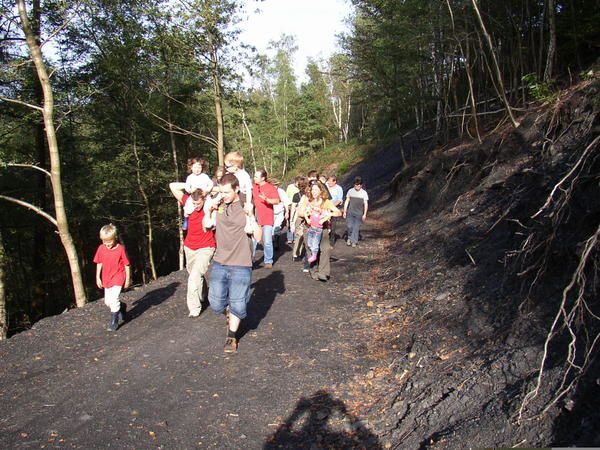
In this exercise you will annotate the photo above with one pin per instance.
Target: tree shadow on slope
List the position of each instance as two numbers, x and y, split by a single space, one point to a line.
265 292
151 299
324 422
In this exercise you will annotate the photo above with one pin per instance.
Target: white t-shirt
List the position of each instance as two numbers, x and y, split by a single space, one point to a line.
200 181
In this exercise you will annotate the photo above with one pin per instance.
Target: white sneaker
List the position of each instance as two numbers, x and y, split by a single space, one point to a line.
305 270
348 243
194 314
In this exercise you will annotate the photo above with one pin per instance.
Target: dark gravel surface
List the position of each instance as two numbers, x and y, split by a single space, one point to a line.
163 381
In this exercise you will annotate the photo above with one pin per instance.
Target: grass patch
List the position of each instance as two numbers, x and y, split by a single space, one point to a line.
333 160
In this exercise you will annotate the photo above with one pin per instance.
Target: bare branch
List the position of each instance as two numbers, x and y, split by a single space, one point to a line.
30 166
34 208
20 102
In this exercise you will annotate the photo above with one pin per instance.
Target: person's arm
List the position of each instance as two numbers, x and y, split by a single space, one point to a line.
127 276
346 206
272 201
366 209
177 189
98 275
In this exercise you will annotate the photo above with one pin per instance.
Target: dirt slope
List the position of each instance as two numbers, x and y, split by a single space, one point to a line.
470 276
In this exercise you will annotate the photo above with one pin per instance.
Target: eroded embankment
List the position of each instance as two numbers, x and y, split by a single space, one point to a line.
487 242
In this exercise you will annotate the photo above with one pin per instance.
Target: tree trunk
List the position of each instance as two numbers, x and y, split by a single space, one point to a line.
247 129
146 208
214 59
551 41
48 112
38 301
176 167
502 91
3 314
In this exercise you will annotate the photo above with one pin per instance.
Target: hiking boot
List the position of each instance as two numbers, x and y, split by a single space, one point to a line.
123 312
231 345
114 322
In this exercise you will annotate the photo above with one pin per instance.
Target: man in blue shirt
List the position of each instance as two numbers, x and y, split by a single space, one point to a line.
337 198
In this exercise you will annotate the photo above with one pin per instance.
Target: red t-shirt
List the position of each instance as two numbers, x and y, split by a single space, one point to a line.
264 210
113 262
196 237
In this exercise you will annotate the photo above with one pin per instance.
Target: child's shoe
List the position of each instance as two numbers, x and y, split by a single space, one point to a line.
114 322
312 258
184 224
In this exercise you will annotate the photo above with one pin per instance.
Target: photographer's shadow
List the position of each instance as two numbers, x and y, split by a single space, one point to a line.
311 425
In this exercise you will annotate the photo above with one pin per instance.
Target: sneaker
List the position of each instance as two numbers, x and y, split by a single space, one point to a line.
268 266
348 243
312 258
289 242
231 345
305 270
194 314
114 322
353 244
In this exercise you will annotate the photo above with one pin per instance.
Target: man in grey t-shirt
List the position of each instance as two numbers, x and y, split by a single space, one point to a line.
355 210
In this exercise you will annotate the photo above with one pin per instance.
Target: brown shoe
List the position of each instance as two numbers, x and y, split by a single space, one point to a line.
231 345
268 266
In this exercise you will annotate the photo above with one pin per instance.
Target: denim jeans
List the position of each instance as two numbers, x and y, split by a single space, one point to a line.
353 222
313 239
229 286
290 235
267 239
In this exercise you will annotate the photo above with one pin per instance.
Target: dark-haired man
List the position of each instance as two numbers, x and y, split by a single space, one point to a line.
355 210
231 273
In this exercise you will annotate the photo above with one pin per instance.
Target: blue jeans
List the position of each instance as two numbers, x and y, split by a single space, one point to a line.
353 223
313 239
229 286
290 235
267 239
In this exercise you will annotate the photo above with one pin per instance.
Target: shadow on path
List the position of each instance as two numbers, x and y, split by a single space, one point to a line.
311 423
152 298
265 291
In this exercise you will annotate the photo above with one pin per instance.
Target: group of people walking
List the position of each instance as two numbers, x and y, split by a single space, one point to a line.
225 217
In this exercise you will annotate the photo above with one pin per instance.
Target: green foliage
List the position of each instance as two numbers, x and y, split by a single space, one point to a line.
540 91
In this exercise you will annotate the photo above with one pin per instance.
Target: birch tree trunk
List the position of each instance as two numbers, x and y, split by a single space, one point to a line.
55 175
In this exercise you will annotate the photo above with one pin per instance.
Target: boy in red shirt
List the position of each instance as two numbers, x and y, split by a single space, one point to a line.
112 273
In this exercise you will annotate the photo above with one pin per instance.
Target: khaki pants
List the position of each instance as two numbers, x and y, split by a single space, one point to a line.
197 262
